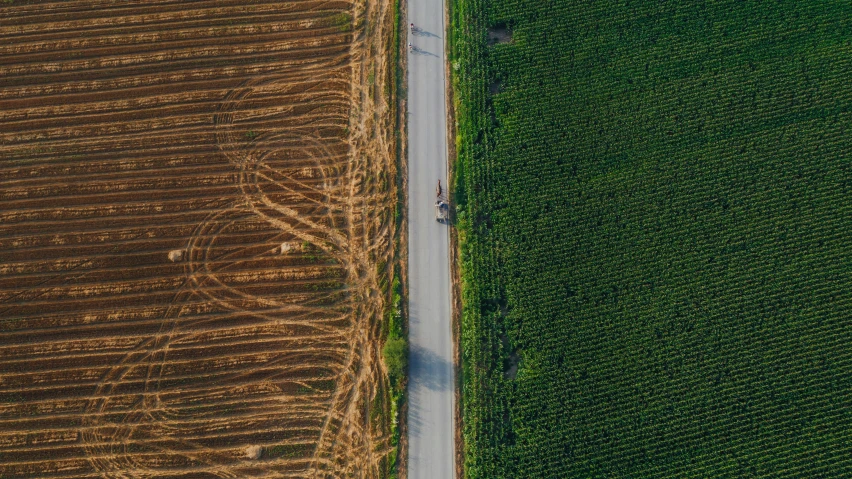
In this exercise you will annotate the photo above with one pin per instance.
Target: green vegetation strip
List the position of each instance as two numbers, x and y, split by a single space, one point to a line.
654 222
395 348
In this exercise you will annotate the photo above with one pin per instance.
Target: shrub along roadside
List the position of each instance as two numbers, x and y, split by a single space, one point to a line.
395 356
395 349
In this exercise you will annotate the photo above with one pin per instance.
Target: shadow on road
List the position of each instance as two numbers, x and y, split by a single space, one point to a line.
426 369
415 422
420 51
423 33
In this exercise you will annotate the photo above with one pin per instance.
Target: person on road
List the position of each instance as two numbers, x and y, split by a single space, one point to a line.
410 47
412 28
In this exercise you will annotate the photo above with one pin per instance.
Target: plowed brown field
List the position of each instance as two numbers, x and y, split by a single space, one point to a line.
194 196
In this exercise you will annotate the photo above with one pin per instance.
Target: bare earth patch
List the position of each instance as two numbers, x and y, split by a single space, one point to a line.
195 199
499 34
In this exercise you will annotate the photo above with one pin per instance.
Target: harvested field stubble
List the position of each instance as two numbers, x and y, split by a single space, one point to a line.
192 210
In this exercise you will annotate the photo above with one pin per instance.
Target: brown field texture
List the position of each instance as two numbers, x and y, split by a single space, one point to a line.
194 199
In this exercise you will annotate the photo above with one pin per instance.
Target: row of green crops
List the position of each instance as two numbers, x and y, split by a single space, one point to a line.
655 222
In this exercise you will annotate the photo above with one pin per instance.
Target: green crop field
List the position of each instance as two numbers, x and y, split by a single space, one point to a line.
655 220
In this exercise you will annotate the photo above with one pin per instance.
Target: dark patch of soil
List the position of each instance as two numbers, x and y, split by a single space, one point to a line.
511 371
499 34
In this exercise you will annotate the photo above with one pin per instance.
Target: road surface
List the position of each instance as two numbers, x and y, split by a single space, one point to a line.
431 452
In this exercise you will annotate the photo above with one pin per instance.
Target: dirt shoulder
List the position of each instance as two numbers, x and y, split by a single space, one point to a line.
455 273
401 243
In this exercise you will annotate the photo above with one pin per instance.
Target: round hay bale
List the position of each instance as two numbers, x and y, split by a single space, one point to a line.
253 452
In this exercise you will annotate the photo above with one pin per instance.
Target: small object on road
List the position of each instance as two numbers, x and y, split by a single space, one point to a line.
441 210
439 189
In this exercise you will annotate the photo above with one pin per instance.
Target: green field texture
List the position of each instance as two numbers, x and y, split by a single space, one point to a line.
655 222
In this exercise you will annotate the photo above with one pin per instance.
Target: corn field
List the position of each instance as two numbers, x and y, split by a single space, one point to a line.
655 218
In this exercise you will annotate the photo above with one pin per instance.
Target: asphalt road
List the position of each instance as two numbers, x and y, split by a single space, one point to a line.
431 383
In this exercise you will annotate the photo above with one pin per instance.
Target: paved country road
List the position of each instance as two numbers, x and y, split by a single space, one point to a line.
431 452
